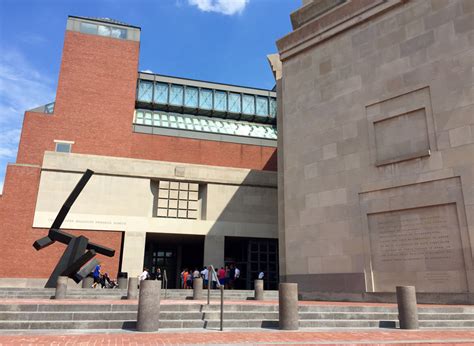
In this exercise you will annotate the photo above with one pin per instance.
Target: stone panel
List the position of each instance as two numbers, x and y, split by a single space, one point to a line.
401 136
421 245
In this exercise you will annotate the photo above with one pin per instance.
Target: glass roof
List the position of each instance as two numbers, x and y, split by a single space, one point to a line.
205 124
204 98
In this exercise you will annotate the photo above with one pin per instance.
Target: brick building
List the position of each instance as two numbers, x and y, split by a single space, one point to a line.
185 170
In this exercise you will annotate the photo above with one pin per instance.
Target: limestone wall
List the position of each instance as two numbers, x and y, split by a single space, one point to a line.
379 147
123 195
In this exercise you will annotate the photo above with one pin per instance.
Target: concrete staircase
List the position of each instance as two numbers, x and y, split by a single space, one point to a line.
91 293
123 315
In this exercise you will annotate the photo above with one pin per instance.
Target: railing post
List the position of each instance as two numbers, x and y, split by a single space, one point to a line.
288 306
61 288
259 293
407 309
132 291
209 279
148 318
166 282
222 307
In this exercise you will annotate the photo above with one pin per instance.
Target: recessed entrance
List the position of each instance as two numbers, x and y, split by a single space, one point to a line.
253 255
173 252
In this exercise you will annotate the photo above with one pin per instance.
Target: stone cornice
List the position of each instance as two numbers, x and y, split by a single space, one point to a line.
331 23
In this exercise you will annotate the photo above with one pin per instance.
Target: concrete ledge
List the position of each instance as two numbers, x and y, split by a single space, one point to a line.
389 297
31 283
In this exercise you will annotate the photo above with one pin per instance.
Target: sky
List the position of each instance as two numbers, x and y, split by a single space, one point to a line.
215 40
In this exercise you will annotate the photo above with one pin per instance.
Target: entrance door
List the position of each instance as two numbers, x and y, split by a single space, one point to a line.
173 253
251 256
166 260
262 257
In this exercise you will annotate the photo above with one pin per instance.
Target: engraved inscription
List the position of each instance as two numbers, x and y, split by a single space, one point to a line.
421 239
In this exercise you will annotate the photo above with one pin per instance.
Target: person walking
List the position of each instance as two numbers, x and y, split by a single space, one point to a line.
236 278
196 274
189 279
96 276
231 276
145 275
227 277
205 276
221 275
185 278
158 275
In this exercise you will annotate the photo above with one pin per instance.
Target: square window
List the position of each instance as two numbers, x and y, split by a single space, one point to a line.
163 193
183 195
63 147
173 194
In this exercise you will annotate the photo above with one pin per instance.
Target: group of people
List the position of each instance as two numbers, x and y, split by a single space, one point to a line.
228 277
102 279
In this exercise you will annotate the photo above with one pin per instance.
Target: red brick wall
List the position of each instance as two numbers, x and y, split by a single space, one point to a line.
18 257
95 101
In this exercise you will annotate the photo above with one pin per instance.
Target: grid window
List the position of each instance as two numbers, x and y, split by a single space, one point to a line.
220 101
262 105
191 97
234 103
176 95
161 93
177 200
248 104
205 99
145 91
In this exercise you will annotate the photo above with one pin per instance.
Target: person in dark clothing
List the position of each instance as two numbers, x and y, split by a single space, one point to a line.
158 275
231 276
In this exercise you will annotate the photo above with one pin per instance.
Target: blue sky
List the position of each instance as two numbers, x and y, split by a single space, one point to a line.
216 40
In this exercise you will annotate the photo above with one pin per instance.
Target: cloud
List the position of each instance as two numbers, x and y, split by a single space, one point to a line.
147 71
22 87
1 187
227 7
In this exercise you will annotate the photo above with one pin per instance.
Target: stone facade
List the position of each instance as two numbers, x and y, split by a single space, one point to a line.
378 147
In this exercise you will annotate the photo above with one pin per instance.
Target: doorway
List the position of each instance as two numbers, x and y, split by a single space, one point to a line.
252 256
172 253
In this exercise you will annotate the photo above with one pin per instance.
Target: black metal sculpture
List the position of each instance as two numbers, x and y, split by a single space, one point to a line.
75 262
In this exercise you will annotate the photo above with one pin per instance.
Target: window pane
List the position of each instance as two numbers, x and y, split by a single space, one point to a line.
220 101
248 104
205 99
63 147
139 118
161 93
191 97
145 91
234 103
176 95
262 105
118 33
104 30
88 28
273 107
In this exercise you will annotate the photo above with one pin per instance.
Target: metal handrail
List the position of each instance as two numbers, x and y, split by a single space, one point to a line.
221 287
165 281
